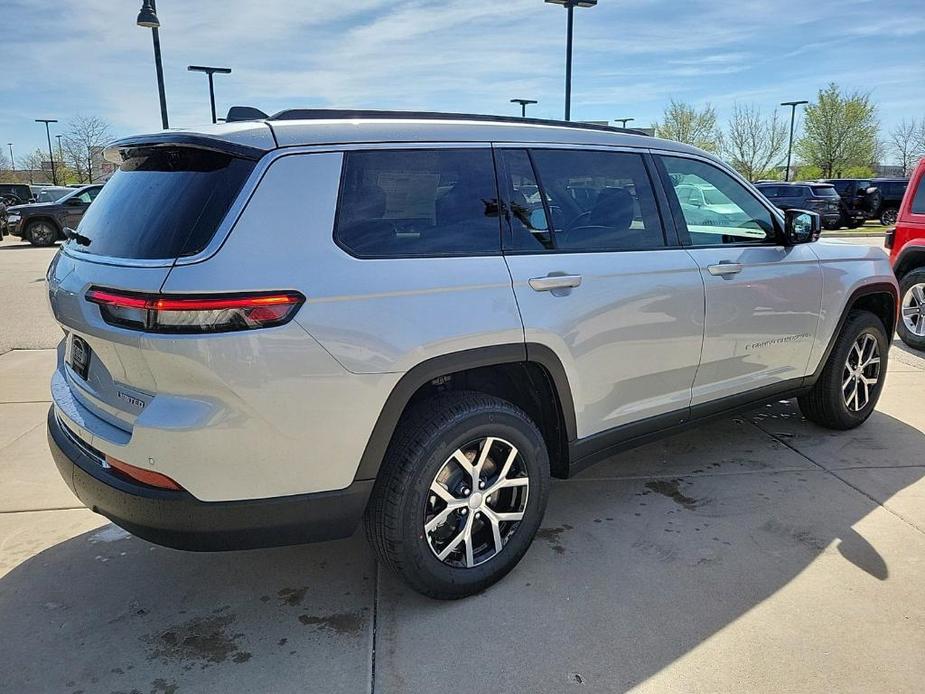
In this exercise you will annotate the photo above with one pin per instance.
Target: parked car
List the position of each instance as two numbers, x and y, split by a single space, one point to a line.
43 223
906 244
860 197
20 191
818 197
276 328
891 192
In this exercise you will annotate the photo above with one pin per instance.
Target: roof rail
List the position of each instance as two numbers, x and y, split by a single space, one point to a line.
357 114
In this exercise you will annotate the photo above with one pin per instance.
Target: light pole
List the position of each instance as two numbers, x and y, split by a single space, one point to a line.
570 5
622 121
12 161
523 105
793 115
210 71
147 17
51 155
61 159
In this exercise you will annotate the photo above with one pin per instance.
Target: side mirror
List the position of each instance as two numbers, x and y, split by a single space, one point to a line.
538 219
801 226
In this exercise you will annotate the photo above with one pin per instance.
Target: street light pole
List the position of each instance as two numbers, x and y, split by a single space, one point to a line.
523 105
147 17
12 161
622 121
61 159
793 115
51 155
570 5
210 71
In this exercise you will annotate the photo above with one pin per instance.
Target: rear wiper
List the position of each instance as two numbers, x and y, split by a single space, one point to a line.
79 239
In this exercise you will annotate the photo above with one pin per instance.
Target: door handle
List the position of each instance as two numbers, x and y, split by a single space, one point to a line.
725 268
550 282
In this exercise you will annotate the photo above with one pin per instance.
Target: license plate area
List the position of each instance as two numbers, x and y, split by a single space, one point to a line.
80 356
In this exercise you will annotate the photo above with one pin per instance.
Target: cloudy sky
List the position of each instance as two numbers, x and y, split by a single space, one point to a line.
632 56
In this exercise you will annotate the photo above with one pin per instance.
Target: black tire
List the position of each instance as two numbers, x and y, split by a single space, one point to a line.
855 223
909 280
425 439
825 404
41 233
888 217
831 226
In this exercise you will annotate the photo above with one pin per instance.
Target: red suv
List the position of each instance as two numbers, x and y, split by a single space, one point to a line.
907 253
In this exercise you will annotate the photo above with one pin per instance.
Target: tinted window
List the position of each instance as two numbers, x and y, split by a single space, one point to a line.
400 203
162 203
841 187
598 200
824 192
736 218
918 202
770 192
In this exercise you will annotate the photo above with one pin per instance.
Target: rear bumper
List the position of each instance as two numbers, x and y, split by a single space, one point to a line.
177 519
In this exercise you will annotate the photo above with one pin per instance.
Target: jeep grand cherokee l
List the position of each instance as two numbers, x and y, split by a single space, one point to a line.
277 328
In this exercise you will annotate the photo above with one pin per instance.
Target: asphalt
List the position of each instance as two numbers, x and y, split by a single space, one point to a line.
758 553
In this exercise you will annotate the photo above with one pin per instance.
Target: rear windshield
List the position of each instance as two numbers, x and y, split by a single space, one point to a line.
824 192
162 203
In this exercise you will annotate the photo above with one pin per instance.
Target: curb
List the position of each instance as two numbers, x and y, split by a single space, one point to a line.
855 235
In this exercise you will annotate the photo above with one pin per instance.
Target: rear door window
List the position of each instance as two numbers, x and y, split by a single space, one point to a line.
418 203
597 201
162 203
824 192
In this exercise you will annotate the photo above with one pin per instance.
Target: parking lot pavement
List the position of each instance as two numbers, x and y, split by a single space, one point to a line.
25 320
757 553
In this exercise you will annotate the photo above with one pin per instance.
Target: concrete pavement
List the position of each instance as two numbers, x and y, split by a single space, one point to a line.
757 553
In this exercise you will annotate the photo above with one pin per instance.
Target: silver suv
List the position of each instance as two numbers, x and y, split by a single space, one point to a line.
275 328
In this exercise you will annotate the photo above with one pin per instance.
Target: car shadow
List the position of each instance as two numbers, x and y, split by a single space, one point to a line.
25 245
641 559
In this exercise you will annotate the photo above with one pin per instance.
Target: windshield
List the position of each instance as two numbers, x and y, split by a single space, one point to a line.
162 203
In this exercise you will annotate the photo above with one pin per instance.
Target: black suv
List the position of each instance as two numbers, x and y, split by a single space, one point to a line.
861 200
891 191
43 223
815 197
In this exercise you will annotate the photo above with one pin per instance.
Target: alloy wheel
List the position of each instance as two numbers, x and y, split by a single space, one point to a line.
913 309
42 234
861 372
476 502
888 218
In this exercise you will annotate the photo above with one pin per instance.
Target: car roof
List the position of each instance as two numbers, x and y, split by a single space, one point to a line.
313 127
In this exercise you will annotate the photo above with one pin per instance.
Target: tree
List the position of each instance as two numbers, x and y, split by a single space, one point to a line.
839 132
32 164
753 144
682 122
905 144
84 135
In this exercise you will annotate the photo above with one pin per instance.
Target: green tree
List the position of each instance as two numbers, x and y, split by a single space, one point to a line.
754 144
839 132
683 122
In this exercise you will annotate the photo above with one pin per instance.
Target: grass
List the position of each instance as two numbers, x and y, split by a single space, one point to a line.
867 228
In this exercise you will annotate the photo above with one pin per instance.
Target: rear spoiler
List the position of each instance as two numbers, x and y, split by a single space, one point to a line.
116 152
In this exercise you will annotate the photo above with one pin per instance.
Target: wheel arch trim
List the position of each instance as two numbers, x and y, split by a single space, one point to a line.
444 364
862 291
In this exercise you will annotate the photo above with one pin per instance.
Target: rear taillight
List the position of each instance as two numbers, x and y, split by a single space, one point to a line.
175 313
889 237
